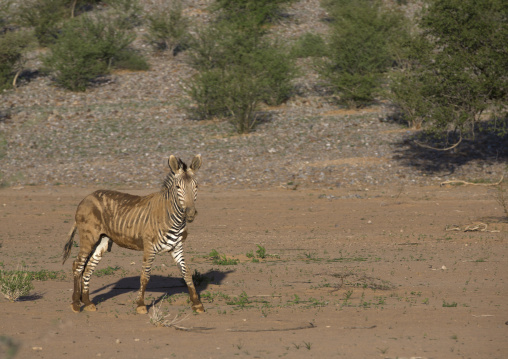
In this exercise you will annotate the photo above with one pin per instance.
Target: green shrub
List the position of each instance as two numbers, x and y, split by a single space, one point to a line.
129 59
455 69
257 11
360 48
207 92
46 17
238 69
13 47
309 45
126 13
87 48
168 28
5 14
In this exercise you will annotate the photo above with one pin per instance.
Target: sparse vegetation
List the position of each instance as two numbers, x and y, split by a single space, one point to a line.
501 197
221 259
106 271
15 284
449 305
242 300
168 29
261 252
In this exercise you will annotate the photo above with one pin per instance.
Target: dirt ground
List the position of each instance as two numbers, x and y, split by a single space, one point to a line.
368 273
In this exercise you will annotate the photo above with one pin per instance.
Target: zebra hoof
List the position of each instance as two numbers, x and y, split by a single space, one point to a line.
76 308
141 309
90 307
198 308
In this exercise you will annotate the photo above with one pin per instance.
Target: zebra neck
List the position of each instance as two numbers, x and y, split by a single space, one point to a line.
173 217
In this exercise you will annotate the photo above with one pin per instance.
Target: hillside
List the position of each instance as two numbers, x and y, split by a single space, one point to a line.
121 131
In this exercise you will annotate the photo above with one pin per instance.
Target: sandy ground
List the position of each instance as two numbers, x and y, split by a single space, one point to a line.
348 273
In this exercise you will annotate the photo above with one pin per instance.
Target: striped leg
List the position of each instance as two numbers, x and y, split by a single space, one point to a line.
77 271
177 254
148 258
86 247
89 269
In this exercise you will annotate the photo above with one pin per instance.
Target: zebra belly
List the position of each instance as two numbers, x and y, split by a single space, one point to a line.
129 243
167 245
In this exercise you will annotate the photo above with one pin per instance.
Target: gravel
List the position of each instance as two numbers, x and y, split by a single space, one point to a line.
121 131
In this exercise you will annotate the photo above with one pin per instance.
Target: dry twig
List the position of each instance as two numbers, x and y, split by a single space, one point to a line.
451 182
475 227
309 326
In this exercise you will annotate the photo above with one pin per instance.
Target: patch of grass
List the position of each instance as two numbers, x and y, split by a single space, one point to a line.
363 281
242 300
210 297
314 302
107 271
449 305
221 259
214 254
44 275
296 299
261 252
224 261
15 284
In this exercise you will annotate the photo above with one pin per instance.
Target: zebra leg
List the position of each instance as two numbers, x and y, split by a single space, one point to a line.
77 271
177 254
95 258
148 258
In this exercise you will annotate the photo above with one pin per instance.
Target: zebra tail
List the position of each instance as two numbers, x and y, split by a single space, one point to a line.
68 245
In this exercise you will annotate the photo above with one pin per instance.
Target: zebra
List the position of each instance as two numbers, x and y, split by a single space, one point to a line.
156 223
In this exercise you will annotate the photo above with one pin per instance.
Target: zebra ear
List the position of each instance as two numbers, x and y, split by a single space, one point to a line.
173 163
196 163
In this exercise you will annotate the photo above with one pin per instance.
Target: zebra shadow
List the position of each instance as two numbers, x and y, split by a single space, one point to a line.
158 284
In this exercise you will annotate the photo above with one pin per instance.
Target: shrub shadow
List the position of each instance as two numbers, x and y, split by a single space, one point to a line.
27 76
158 284
31 297
488 146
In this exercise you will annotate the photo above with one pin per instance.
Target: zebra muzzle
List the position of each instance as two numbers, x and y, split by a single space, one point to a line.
190 213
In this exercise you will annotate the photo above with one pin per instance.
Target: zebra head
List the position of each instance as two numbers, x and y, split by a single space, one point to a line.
184 186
